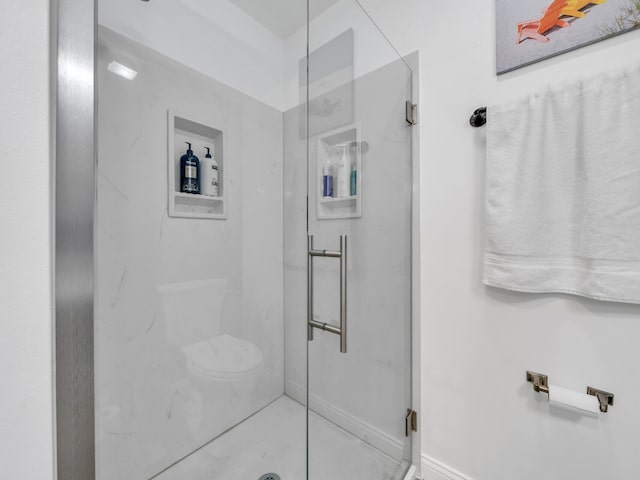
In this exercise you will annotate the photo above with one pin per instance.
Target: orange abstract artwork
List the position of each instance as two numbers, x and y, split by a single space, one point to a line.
527 32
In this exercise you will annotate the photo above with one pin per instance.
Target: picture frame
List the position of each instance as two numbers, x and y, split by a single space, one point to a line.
534 30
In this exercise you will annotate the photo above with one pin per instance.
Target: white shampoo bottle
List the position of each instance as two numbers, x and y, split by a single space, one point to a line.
209 180
344 173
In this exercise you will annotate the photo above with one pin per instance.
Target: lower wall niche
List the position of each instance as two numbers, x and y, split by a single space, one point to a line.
201 136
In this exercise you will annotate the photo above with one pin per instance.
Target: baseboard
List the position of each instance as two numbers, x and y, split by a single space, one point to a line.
411 473
379 440
435 470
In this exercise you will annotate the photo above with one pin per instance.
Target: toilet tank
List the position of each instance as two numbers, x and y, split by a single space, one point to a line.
192 311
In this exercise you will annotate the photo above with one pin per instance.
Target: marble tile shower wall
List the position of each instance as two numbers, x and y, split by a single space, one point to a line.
190 312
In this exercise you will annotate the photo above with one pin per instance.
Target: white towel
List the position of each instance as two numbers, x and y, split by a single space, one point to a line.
563 190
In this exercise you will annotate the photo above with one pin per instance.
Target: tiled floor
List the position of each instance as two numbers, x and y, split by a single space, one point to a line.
273 441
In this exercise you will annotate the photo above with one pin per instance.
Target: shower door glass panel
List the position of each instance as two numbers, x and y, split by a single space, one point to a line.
202 348
359 186
189 324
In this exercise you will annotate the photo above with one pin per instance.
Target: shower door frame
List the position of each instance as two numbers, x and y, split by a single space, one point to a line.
415 471
72 86
73 26
416 272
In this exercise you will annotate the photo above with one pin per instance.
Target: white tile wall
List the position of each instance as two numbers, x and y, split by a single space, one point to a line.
152 409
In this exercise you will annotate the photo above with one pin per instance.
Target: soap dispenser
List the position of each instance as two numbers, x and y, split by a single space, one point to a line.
209 184
189 172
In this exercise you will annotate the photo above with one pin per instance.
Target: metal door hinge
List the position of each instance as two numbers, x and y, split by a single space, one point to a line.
412 113
410 422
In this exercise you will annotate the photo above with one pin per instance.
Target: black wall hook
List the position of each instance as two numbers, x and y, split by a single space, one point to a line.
479 117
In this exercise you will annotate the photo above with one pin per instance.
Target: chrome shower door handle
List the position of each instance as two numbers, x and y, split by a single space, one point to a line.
309 288
311 323
343 294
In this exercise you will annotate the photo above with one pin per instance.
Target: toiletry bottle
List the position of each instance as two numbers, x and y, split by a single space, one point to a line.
209 183
354 180
344 173
189 172
327 179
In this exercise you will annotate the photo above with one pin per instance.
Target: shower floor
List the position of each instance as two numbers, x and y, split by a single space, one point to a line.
273 441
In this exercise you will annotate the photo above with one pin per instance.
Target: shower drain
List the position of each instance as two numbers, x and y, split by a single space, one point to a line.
270 476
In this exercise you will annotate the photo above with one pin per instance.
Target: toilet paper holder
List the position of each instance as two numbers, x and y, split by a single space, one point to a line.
605 398
541 384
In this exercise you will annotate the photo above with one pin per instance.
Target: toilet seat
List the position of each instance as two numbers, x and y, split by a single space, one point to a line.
223 358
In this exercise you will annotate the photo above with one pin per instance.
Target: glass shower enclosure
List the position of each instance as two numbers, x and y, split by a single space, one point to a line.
258 327
358 302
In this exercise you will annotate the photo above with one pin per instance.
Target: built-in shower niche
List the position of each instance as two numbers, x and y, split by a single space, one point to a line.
329 150
182 129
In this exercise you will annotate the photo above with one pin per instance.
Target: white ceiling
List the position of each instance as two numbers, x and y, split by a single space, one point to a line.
283 17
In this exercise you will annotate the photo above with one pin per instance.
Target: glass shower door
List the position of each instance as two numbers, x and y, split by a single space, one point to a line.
359 187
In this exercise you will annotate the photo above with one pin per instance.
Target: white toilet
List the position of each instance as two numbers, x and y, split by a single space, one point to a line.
223 358
223 371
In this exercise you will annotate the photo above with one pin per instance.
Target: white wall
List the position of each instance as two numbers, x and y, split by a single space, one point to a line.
478 414
26 442
213 37
371 50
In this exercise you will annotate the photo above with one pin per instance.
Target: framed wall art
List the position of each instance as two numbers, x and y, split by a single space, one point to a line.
532 30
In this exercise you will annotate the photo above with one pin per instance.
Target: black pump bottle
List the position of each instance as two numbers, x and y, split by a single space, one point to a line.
189 172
